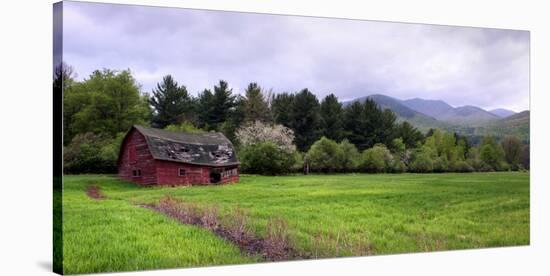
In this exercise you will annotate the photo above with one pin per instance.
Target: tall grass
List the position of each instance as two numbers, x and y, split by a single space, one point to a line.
317 215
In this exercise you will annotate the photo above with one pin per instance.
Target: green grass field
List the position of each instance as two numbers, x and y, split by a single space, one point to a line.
327 216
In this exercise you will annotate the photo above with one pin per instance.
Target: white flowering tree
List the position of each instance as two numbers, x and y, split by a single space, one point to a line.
258 132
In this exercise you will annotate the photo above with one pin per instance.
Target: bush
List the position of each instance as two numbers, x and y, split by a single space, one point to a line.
91 153
397 166
441 164
351 158
376 159
267 159
462 166
325 155
422 163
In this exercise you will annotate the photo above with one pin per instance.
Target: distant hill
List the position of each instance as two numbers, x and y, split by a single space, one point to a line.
469 116
502 113
515 125
434 108
464 115
418 119
466 120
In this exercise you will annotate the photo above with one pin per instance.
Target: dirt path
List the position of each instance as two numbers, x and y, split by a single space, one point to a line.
94 192
273 247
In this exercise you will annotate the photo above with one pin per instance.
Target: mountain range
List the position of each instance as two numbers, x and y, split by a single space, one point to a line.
466 120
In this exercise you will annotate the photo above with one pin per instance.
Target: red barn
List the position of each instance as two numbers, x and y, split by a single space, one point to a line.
151 156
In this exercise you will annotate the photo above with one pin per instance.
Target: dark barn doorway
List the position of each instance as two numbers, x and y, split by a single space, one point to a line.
215 177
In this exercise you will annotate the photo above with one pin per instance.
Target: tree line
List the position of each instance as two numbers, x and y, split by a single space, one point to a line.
273 133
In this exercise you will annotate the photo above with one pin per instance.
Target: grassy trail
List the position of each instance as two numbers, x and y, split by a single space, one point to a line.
327 215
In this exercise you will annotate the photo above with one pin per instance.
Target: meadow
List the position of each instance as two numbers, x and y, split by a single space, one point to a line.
325 215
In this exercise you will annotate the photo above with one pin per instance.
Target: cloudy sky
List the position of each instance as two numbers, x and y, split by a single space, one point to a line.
350 58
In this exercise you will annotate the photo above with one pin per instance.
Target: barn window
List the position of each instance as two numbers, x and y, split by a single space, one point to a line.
136 173
181 172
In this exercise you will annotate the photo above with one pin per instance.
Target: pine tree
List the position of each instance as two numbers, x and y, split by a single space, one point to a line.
331 118
223 101
170 103
305 119
281 105
255 105
216 108
205 109
353 125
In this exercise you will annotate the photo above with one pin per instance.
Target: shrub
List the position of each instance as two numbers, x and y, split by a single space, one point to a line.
441 164
376 159
91 153
422 163
325 155
462 166
266 158
491 153
351 156
397 166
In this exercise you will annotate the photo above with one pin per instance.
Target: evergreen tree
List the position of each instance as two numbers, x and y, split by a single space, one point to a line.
223 101
216 108
331 118
170 103
410 135
255 105
353 125
281 105
205 110
305 119
373 121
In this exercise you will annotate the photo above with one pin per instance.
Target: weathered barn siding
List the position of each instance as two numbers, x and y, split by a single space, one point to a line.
136 156
168 173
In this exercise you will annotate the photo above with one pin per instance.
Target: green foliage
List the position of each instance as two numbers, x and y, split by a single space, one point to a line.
255 104
184 127
305 119
215 108
171 103
461 166
410 135
351 156
512 148
325 155
423 161
281 106
353 124
376 159
107 103
267 159
492 154
367 124
89 153
332 118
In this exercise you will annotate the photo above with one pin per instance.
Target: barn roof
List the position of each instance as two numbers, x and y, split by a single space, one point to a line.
210 148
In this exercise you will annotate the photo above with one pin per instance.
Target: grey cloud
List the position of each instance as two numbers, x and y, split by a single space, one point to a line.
350 58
